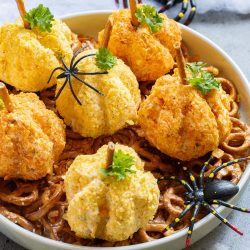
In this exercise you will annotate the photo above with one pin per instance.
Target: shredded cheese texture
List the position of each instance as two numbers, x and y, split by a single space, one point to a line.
102 207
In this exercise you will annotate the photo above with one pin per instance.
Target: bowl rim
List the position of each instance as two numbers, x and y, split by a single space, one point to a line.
243 181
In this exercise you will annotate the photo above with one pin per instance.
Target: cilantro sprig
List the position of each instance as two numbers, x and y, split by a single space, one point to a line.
148 15
105 59
121 166
40 17
201 79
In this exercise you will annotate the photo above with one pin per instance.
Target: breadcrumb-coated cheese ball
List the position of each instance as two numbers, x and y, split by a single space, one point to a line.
219 102
32 139
149 55
169 35
100 115
27 57
178 121
103 207
1 103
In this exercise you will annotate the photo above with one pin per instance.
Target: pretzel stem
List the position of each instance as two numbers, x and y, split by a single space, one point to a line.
6 97
181 63
110 154
22 11
133 8
107 33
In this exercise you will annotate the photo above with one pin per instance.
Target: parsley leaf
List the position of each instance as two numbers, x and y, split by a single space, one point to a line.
201 79
40 17
104 59
121 166
148 15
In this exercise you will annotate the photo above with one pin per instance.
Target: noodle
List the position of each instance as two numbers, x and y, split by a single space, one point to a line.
39 206
18 219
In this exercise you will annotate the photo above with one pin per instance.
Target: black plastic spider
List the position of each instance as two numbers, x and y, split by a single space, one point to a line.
206 194
169 4
72 71
184 7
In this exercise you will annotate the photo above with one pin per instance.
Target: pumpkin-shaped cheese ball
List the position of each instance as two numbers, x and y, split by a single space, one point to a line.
100 114
177 120
27 56
1 103
103 207
219 103
32 138
148 54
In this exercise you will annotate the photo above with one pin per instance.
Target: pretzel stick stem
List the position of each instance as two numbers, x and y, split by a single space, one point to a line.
107 33
110 154
22 11
6 97
133 8
181 64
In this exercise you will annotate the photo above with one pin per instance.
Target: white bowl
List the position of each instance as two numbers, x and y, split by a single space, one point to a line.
89 23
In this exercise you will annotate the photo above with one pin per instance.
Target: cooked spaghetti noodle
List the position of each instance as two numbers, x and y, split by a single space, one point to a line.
39 206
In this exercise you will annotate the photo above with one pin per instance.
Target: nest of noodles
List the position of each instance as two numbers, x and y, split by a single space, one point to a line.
39 206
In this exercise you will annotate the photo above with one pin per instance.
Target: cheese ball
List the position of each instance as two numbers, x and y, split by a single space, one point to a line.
1 103
149 55
100 115
219 102
27 57
32 139
178 121
103 207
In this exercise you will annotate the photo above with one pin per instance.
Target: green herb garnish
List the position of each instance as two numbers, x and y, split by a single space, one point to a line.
121 166
105 59
201 79
40 17
148 15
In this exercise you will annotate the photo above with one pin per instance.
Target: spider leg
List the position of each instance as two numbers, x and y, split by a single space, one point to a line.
117 3
222 219
64 64
178 219
61 89
183 182
72 91
90 73
52 73
203 171
226 164
191 177
192 12
225 204
191 227
87 84
76 54
81 58
184 8
125 4
167 6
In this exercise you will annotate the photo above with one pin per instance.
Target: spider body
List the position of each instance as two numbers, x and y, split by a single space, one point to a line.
220 189
72 71
206 193
167 4
195 195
